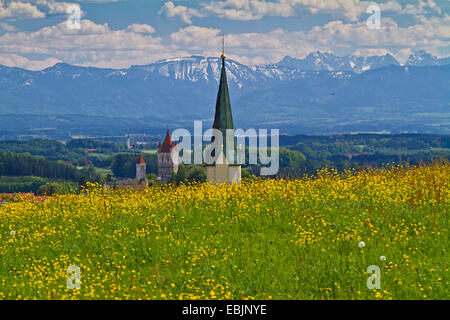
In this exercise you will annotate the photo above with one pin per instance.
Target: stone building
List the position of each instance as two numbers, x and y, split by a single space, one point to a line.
167 159
141 167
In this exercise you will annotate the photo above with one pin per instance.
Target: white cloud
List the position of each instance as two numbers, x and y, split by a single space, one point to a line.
141 28
14 60
32 9
372 52
249 9
105 1
53 7
20 10
246 10
402 55
7 27
420 7
429 34
196 37
182 12
98 45
95 44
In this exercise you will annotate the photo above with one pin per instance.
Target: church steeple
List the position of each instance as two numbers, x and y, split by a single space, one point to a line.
223 118
223 170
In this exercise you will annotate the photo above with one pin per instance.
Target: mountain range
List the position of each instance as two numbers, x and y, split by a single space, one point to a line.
329 62
320 94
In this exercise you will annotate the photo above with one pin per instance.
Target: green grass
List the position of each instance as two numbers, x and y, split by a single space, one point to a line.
261 240
102 171
150 151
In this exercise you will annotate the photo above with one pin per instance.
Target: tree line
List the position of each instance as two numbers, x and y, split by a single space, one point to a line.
12 164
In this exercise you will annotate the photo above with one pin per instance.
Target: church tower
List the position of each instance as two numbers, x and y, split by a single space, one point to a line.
222 171
167 159
141 168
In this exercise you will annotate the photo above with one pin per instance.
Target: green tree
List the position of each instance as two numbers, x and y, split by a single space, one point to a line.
181 175
247 175
109 177
52 188
291 158
152 179
124 164
90 174
196 173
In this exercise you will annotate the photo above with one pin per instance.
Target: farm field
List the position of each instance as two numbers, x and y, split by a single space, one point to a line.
311 238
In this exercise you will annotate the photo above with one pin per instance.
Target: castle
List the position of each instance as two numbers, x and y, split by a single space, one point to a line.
167 165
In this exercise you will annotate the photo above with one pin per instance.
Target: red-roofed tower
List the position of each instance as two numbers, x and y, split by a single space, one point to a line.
167 159
141 170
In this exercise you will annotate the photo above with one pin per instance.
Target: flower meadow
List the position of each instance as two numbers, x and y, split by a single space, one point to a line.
311 238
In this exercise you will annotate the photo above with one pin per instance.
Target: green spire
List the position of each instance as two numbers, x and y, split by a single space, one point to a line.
223 119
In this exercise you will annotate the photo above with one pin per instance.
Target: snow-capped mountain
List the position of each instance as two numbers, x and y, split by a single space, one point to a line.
196 68
320 61
193 69
202 69
422 58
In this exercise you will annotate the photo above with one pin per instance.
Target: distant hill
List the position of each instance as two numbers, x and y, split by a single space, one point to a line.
321 94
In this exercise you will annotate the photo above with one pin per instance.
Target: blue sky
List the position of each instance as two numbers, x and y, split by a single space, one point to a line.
120 33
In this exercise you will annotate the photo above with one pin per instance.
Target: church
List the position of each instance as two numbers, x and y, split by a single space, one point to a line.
221 171
218 172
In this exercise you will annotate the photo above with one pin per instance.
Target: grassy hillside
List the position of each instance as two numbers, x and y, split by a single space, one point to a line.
274 239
